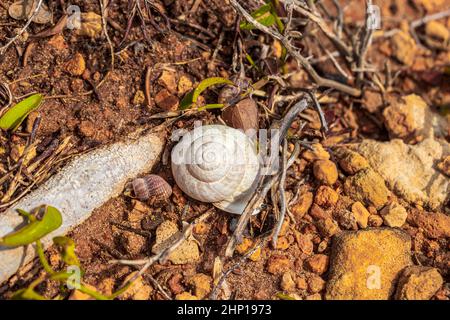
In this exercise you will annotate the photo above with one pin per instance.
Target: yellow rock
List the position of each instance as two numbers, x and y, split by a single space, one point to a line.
394 215
418 283
137 291
185 296
201 284
319 153
77 65
325 171
326 197
404 48
91 25
365 264
78 295
303 205
361 214
437 30
352 162
184 85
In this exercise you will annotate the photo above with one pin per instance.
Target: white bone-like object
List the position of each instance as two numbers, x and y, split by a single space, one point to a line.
86 183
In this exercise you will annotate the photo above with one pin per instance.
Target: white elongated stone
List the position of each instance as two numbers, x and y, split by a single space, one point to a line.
86 183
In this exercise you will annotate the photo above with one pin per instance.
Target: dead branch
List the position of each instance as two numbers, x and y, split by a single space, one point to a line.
321 82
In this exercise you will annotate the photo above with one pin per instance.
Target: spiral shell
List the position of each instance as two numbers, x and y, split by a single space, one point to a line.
151 186
216 164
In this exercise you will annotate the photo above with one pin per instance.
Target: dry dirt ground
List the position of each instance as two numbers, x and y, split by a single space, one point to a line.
95 105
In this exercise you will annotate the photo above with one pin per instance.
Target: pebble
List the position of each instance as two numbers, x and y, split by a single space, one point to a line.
301 283
352 162
435 225
166 101
437 30
201 284
409 170
185 296
187 252
365 264
367 187
287 282
404 48
326 197
361 214
133 243
315 283
405 117
77 65
303 205
328 227
91 25
418 283
168 80
278 264
317 263
394 215
184 85
137 291
318 153
304 243
325 171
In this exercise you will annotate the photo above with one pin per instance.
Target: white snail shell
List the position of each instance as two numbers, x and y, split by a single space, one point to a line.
217 164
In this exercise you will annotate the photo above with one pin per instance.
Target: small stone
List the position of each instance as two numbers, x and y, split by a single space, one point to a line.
404 48
317 263
418 283
91 25
315 296
175 284
184 85
302 206
318 213
375 220
187 252
444 166
361 214
326 197
394 215
138 290
405 117
437 31
278 264
319 153
346 219
301 283
244 246
315 283
87 129
168 80
201 228
368 187
133 243
139 98
328 227
304 243
255 256
435 225
78 295
287 282
58 42
201 284
139 211
283 243
365 264
352 162
325 171
185 296
409 170
166 101
76 66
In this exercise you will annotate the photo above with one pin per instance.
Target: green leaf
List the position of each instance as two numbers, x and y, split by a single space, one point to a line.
186 102
14 116
283 296
263 15
66 247
192 96
211 106
205 84
35 229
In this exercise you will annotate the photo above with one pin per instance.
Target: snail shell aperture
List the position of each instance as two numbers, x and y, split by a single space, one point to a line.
216 164
151 186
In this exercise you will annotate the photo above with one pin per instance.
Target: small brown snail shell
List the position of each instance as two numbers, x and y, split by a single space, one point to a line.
151 186
229 93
